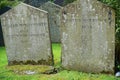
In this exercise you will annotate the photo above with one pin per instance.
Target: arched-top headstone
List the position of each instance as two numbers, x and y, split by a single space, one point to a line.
54 12
2 10
88 37
26 35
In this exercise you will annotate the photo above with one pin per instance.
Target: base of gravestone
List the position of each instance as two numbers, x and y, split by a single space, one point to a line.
30 69
102 72
39 62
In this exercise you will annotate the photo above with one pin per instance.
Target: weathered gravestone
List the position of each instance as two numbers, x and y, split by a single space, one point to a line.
54 16
54 12
2 10
26 35
36 3
88 37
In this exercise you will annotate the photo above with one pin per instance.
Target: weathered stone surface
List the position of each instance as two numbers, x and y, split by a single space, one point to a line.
2 10
54 12
88 37
26 35
36 3
54 16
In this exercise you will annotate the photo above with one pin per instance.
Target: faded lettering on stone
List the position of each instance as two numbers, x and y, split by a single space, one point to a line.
88 37
26 34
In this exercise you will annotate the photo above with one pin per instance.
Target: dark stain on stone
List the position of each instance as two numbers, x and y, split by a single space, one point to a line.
39 62
110 16
106 72
64 12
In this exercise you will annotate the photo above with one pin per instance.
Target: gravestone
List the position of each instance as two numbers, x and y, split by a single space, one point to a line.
54 12
2 10
26 35
36 3
88 37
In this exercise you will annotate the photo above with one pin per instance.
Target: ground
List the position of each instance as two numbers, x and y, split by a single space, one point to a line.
17 72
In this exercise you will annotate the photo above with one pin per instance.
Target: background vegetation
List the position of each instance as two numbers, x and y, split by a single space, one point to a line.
8 3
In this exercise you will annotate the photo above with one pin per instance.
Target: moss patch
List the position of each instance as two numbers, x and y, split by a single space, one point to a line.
21 69
39 62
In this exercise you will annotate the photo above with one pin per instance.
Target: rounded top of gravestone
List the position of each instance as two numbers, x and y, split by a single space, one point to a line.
51 3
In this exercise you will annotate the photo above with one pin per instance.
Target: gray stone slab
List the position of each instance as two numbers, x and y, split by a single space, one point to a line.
88 37
26 34
54 12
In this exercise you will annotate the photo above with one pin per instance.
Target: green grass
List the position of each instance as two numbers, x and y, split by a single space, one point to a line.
57 54
8 72
3 57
